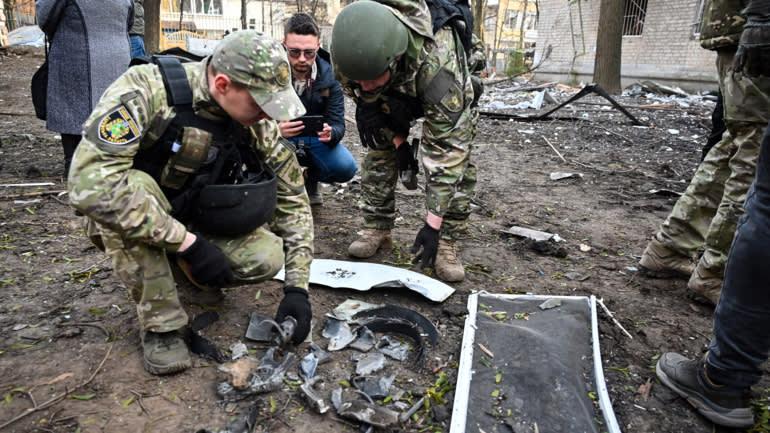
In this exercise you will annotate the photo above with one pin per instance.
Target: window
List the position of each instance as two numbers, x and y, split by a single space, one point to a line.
208 7
634 14
252 23
531 21
511 19
696 25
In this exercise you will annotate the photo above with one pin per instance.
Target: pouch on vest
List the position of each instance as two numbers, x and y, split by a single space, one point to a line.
232 210
192 152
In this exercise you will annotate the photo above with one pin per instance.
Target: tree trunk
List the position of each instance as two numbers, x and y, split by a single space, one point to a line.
478 18
521 27
609 42
243 14
152 25
10 14
181 13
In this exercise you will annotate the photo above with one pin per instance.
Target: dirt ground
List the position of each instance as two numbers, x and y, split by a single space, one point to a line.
60 297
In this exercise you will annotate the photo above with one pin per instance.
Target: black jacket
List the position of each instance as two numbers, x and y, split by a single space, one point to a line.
325 97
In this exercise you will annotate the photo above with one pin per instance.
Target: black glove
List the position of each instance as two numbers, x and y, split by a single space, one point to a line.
405 157
753 55
370 119
295 303
427 239
208 265
402 111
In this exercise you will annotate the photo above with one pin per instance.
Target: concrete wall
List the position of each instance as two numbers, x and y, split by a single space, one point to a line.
666 51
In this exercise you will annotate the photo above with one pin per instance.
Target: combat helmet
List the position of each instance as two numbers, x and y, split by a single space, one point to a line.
366 40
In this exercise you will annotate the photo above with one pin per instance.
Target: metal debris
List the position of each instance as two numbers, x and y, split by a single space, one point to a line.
238 350
374 387
393 348
351 307
370 363
408 414
308 365
364 276
550 303
365 340
559 175
266 378
367 412
339 334
401 327
259 329
426 327
312 396
322 355
535 235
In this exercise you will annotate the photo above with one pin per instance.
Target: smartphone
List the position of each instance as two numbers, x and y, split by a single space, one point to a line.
313 125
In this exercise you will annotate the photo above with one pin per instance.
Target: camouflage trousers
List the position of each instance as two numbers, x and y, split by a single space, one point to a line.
378 197
145 269
706 215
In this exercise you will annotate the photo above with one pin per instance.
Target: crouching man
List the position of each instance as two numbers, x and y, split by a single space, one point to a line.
183 161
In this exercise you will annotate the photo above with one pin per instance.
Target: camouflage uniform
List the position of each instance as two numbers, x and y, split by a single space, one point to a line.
706 214
128 213
448 129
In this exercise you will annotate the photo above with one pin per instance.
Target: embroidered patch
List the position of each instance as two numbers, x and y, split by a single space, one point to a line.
118 127
282 74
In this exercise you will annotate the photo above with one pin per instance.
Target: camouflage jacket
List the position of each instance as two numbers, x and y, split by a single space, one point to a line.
435 71
722 24
98 178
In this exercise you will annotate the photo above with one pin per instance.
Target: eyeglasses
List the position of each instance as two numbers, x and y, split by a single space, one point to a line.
296 52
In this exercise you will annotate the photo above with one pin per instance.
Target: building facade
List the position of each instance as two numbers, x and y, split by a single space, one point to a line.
660 42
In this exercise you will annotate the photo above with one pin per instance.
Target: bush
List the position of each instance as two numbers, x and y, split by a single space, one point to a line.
515 64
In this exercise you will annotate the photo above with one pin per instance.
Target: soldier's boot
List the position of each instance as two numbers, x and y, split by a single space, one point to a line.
368 242
314 193
705 284
659 261
201 293
448 266
165 353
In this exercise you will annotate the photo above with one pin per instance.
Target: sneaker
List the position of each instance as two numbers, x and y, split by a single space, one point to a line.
165 353
368 242
314 193
448 265
705 284
658 261
688 379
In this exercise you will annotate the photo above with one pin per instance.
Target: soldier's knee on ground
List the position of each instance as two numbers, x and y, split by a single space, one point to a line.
264 263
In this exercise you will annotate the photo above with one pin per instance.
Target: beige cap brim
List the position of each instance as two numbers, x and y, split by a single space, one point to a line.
281 105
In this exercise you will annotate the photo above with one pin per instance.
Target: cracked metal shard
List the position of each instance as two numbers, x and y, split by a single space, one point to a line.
312 396
339 334
259 329
363 276
374 387
371 363
393 348
369 413
365 340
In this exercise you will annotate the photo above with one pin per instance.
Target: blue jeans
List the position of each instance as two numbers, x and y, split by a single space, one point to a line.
137 46
326 164
742 320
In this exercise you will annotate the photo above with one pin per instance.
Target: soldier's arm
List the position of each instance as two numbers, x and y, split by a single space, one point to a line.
446 92
293 220
99 183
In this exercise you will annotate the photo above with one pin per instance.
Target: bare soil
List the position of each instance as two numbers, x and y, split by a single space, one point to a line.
52 279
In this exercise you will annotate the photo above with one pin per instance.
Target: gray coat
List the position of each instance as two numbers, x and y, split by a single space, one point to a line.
89 50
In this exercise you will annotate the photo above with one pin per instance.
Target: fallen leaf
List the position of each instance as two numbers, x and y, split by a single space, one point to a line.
127 402
644 390
57 379
83 397
498 377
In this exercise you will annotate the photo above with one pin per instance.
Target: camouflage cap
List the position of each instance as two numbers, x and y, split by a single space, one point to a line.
259 63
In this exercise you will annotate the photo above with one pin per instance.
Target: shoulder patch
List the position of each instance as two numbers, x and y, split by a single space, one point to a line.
119 127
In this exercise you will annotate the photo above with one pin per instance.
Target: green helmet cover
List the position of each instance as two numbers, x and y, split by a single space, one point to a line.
366 38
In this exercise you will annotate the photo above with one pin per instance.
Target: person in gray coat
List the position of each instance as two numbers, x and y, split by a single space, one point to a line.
89 49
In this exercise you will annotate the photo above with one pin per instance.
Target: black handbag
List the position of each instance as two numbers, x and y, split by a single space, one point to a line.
39 88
